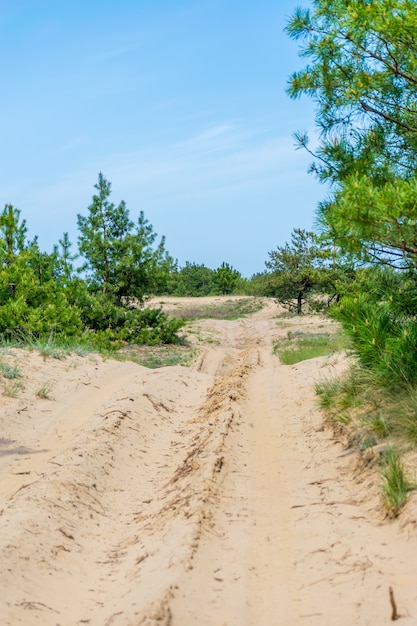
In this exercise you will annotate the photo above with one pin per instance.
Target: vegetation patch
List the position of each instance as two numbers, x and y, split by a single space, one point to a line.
377 422
300 346
224 309
158 356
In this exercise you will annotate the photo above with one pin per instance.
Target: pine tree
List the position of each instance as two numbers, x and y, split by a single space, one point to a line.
12 234
121 257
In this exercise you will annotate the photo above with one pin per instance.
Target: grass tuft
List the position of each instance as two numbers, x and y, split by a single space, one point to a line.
44 392
9 371
13 388
396 485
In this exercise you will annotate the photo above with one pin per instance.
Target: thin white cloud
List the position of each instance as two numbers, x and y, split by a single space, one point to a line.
219 157
214 159
218 138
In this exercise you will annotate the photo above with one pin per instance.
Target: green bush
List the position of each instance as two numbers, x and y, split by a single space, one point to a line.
109 322
379 318
34 311
53 313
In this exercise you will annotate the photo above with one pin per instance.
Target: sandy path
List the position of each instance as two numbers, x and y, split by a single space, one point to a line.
208 495
245 565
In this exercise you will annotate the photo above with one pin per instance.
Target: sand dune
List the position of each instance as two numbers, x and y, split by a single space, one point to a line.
210 495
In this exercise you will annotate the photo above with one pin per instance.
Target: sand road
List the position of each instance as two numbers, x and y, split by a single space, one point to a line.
209 495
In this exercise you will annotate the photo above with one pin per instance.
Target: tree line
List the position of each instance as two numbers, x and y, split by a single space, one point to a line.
101 301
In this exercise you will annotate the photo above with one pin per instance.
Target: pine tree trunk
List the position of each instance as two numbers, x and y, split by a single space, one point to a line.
299 302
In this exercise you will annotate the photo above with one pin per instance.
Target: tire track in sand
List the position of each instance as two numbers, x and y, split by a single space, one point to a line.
244 569
124 488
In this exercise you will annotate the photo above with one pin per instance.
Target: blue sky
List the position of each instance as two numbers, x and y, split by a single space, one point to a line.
181 104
